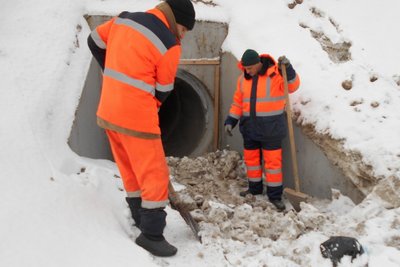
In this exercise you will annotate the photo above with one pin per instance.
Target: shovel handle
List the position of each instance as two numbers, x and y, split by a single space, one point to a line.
290 129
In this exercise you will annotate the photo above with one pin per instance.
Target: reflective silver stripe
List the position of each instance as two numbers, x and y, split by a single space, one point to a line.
266 99
97 39
273 171
146 32
154 204
257 179
234 116
265 114
164 88
134 194
275 184
130 81
253 168
271 99
268 88
292 80
236 105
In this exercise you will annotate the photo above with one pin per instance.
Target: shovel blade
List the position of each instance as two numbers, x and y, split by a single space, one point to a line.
185 214
176 204
296 197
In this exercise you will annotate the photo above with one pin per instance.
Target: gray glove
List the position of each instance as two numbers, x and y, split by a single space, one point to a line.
228 129
283 60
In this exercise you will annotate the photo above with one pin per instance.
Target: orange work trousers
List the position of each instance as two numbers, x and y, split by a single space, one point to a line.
143 168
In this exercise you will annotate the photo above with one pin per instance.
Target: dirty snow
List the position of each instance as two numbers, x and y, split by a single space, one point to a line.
252 226
59 209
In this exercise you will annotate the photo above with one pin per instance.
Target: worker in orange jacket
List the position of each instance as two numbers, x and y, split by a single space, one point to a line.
139 54
258 103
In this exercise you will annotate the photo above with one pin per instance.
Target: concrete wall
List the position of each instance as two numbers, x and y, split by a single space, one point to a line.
230 73
317 174
86 138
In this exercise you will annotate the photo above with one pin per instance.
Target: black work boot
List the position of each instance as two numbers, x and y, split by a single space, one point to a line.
135 205
248 192
274 194
279 205
255 188
157 246
151 239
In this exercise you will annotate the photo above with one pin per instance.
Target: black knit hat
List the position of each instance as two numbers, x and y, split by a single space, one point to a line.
250 57
184 12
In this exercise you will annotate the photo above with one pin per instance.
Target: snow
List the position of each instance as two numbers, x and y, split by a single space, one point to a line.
59 209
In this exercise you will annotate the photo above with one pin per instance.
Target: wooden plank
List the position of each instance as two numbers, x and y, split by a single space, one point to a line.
216 107
199 62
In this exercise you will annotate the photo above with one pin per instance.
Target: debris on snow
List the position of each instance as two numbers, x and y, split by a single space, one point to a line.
210 187
388 192
347 84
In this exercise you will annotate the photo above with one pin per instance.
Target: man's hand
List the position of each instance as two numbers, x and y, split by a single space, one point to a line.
228 129
283 60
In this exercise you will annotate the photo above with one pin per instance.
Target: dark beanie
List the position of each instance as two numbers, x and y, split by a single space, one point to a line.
250 57
184 12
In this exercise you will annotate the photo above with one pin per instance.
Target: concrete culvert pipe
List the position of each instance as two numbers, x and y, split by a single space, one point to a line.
186 117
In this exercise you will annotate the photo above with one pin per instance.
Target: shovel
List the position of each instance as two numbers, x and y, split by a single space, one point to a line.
294 196
177 204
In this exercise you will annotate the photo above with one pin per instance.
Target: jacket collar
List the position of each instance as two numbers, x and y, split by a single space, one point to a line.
164 12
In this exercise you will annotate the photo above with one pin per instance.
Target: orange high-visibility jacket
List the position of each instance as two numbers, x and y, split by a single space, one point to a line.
141 59
270 96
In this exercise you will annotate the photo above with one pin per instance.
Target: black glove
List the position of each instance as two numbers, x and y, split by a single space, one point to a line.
283 60
290 72
228 129
229 124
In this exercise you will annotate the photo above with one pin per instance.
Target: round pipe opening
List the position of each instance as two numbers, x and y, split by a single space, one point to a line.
186 117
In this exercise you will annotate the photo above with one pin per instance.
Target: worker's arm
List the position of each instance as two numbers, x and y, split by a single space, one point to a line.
236 110
292 77
166 72
97 42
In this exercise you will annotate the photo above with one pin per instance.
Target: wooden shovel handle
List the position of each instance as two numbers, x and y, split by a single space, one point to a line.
290 129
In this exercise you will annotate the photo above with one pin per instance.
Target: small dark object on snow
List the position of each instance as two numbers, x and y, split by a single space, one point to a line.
338 246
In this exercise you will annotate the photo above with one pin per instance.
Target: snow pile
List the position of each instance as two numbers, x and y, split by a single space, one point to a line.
253 226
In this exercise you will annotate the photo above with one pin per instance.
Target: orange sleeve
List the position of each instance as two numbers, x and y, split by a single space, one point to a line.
168 65
294 84
166 72
103 30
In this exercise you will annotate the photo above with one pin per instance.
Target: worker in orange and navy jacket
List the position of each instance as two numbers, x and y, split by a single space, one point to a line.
139 55
259 103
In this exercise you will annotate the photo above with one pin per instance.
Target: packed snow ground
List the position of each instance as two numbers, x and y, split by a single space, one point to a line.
59 209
